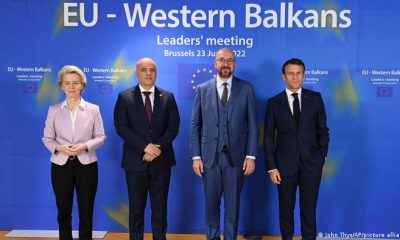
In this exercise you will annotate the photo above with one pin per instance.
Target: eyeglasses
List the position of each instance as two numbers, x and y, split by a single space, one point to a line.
223 60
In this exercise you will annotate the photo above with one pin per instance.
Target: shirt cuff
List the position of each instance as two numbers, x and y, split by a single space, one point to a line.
196 158
272 170
251 157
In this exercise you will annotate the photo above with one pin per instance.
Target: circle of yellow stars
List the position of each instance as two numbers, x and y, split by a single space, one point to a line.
199 72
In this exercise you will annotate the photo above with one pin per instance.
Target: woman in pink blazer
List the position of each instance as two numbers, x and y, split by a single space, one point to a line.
73 131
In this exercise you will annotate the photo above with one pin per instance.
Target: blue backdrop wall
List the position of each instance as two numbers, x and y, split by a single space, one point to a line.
351 50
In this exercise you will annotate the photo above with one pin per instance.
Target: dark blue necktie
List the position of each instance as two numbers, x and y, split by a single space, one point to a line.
224 97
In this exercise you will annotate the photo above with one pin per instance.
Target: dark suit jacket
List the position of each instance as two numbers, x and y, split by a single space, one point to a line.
133 127
285 143
242 122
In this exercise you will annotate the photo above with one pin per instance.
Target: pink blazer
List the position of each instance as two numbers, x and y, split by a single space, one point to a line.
88 129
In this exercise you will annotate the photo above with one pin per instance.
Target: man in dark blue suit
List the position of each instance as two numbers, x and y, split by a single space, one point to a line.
296 145
223 142
147 119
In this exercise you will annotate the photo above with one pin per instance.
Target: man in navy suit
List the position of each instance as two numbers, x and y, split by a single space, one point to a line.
223 142
147 119
296 145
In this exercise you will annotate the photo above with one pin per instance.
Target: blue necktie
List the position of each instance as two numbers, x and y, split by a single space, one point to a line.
224 97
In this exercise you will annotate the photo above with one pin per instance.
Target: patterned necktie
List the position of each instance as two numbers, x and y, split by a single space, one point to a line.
224 97
296 107
147 105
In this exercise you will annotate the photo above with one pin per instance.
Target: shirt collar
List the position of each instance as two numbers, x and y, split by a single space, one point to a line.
289 92
220 81
144 90
82 104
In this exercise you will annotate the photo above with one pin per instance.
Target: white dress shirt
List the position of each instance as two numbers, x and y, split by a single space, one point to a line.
151 95
291 98
72 114
220 86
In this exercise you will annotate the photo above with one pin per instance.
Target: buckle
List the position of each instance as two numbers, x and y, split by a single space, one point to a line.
72 157
225 148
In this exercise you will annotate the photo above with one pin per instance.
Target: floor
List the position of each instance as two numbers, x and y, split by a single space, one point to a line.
124 236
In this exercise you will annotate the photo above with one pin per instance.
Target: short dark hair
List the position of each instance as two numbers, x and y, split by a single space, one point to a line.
295 61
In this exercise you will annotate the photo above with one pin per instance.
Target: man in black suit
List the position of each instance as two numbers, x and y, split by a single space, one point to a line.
296 145
147 119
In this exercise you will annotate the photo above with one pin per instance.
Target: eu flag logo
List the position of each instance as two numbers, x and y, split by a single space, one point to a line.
191 75
105 88
384 92
30 87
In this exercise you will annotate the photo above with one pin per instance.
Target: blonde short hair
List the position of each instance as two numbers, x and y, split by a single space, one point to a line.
68 69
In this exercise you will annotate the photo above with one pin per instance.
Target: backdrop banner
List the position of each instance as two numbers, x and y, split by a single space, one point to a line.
351 51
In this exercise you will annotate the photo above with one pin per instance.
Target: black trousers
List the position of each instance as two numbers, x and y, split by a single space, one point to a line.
155 182
308 184
82 178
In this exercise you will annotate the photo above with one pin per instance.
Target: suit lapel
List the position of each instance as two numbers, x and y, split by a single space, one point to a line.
305 102
67 122
67 119
79 119
235 91
212 95
286 108
138 102
157 103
